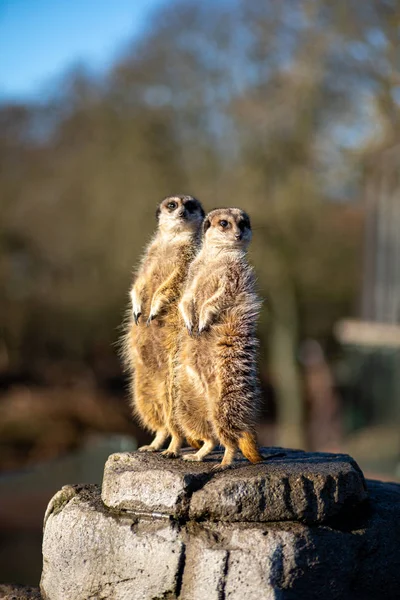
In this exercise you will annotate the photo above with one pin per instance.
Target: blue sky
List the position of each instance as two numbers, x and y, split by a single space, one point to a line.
39 39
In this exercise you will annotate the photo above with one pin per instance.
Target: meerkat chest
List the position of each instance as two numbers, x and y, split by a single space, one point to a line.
219 279
164 263
208 282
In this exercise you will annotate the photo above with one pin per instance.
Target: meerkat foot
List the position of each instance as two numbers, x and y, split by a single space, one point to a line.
221 467
206 448
192 457
148 448
227 460
170 453
157 443
174 448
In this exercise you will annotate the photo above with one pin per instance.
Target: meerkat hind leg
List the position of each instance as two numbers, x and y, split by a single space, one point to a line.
227 459
206 448
174 448
157 443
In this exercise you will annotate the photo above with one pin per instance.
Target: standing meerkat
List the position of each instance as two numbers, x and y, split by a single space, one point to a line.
150 343
218 390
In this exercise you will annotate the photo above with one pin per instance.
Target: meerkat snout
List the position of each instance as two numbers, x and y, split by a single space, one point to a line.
227 227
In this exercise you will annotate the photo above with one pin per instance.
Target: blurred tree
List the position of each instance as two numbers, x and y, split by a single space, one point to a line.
265 105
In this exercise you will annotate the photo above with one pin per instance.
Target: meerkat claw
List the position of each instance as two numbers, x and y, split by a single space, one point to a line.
203 326
150 319
220 467
136 317
170 454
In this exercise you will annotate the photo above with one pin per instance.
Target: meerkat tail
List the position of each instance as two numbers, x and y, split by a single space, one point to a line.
194 443
248 446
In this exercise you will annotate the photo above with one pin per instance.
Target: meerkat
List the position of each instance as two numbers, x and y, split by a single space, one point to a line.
149 344
218 389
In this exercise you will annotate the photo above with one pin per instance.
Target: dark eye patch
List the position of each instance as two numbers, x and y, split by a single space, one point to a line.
246 222
190 206
242 225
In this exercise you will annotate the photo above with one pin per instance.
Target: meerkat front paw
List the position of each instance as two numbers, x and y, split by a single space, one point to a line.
189 328
186 316
188 322
136 306
204 323
155 308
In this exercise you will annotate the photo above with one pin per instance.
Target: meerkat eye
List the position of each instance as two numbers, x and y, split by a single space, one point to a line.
172 205
224 224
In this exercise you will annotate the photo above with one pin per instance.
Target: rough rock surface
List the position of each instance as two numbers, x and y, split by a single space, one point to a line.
19 592
89 553
92 552
289 485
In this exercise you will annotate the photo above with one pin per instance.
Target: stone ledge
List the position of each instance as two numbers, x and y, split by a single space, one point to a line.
90 552
289 485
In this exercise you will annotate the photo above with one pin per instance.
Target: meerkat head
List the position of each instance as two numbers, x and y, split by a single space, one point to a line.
227 228
177 214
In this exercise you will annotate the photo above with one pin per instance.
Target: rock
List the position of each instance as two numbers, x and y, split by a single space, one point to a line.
149 483
91 552
19 592
289 485
271 561
378 561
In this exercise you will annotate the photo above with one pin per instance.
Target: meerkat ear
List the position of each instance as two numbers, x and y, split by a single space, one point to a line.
158 211
206 225
203 214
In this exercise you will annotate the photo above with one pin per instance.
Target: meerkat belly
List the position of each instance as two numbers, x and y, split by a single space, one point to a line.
194 386
199 364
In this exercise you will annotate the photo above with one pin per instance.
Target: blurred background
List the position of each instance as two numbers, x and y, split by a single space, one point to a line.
290 110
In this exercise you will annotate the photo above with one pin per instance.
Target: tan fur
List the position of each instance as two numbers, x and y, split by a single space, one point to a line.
218 391
248 447
150 341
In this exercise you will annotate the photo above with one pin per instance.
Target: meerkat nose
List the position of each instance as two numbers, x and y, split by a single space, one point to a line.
238 236
181 212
